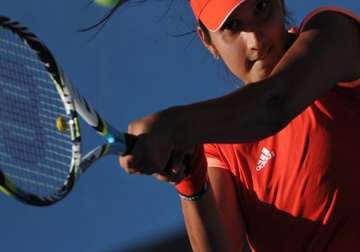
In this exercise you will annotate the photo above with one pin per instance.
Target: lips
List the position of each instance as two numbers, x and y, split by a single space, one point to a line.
260 55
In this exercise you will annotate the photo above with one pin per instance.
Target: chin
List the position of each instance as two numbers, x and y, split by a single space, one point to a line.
261 75
256 75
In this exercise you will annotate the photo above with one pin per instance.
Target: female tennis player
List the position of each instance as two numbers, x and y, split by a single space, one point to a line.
274 163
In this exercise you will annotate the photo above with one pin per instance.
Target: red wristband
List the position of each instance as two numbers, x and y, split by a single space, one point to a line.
194 182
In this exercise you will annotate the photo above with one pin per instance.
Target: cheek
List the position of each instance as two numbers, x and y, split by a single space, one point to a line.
235 59
233 53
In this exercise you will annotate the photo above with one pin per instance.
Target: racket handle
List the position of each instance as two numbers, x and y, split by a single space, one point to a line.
130 141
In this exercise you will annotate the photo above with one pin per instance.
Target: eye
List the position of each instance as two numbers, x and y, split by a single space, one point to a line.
232 25
262 7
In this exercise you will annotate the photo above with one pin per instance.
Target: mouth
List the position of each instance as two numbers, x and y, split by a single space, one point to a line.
262 55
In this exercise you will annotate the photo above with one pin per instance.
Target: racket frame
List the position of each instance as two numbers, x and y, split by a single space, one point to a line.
117 142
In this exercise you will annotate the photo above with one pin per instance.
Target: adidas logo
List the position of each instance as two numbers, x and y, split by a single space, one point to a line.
265 156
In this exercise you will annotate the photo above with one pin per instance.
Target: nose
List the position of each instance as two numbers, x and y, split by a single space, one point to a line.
255 44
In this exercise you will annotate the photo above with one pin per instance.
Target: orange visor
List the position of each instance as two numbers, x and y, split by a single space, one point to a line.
213 13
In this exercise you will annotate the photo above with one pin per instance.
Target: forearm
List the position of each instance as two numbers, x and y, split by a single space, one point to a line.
255 109
204 226
306 72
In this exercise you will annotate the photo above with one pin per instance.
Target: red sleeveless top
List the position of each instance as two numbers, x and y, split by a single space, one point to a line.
299 190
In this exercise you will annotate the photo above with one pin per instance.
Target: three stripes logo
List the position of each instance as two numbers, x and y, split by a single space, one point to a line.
265 156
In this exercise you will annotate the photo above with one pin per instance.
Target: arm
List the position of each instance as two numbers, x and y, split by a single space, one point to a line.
214 222
306 72
325 53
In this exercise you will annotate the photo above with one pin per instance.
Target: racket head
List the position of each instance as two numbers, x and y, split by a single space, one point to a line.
38 163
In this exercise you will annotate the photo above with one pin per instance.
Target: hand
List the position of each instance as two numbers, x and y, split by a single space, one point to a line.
155 151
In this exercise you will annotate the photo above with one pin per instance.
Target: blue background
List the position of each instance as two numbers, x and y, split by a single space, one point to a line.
133 67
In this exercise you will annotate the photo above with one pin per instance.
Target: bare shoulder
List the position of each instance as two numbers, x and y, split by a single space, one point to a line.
339 35
329 18
334 21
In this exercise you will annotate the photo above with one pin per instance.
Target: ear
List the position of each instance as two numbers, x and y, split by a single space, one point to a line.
206 40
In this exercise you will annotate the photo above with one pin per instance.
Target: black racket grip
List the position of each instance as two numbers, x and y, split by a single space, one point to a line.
130 141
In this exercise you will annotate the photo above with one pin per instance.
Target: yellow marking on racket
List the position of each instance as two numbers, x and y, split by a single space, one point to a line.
76 134
10 185
3 190
105 130
61 124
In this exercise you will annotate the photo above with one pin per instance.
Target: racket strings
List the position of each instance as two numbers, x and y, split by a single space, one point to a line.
33 153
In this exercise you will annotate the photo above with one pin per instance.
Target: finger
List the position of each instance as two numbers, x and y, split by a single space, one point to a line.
175 169
171 179
161 177
178 172
141 158
126 162
138 161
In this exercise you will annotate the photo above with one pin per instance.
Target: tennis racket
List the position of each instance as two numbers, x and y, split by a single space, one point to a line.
40 141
